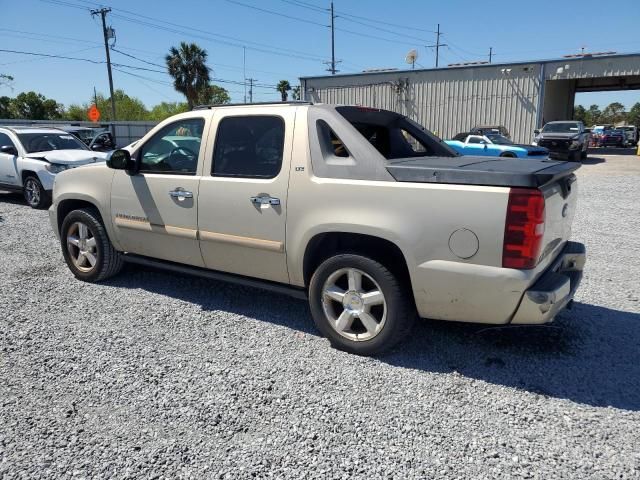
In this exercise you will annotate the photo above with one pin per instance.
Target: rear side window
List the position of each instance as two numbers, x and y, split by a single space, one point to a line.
331 144
249 147
393 135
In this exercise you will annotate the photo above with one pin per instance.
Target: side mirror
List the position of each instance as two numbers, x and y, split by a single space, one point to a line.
9 150
536 131
120 160
97 146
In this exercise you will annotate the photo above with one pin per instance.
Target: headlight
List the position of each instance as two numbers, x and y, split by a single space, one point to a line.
575 144
56 167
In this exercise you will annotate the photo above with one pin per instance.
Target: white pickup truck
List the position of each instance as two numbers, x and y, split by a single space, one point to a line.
362 211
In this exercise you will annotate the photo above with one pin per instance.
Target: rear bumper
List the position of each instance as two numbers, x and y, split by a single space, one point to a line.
554 289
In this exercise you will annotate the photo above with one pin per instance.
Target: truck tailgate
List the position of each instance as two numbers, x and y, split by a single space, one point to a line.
560 205
469 170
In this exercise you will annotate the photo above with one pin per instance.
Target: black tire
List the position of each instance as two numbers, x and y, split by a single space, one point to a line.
108 261
508 155
584 154
400 309
574 156
34 193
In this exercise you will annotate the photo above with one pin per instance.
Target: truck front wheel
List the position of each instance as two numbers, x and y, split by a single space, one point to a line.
86 247
35 194
359 305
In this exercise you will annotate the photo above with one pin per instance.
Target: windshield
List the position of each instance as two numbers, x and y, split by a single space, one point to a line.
499 139
561 127
45 142
85 135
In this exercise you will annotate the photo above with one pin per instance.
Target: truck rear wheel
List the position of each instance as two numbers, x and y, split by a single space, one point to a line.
86 247
359 305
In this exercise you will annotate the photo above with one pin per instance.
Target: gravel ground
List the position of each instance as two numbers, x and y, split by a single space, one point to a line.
163 376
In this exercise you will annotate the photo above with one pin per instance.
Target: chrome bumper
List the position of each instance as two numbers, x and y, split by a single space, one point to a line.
554 289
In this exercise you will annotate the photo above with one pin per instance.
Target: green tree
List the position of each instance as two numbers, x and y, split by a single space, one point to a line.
580 114
295 94
166 109
187 66
76 112
593 115
614 113
213 95
284 87
5 107
35 106
127 108
633 117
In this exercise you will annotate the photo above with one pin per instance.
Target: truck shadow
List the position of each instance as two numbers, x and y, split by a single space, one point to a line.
589 355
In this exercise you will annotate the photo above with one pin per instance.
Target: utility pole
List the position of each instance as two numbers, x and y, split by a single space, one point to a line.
490 54
251 80
332 63
333 42
437 45
244 71
103 13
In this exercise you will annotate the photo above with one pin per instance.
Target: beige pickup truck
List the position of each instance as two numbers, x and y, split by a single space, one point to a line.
362 211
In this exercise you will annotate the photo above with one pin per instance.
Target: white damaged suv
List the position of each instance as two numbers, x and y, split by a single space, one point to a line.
30 158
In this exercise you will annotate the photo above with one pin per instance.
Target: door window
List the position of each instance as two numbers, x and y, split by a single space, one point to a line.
174 149
5 140
249 147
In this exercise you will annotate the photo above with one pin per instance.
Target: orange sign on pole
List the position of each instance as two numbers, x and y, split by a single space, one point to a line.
93 113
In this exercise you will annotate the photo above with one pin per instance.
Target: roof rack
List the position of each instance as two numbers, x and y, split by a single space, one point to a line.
291 102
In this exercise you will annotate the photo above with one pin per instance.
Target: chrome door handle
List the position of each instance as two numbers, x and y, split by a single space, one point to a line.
180 193
266 201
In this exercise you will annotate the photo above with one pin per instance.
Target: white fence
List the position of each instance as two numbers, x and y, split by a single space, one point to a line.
125 132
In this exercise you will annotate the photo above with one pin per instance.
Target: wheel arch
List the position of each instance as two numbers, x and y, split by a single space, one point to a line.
324 245
64 207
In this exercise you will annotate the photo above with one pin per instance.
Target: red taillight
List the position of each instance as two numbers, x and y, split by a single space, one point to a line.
523 229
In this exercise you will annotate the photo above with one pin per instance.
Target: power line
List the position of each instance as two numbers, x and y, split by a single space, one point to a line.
53 56
276 13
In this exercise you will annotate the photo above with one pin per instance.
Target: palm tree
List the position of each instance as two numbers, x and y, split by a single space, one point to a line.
187 66
296 92
283 87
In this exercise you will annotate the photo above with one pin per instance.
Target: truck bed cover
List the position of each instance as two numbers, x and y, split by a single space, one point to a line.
468 170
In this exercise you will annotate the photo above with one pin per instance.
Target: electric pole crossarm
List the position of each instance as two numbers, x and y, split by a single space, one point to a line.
437 45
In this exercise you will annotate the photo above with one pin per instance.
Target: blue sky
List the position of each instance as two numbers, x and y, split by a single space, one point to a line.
278 47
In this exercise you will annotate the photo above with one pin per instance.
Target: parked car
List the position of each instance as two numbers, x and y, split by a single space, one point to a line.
361 211
612 138
567 140
493 145
96 139
490 129
31 157
631 134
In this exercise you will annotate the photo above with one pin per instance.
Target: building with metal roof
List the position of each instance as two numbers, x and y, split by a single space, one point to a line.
522 96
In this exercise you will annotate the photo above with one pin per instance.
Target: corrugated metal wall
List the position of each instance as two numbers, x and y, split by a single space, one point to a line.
446 101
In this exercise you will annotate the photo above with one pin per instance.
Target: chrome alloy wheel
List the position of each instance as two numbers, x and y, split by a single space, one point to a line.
81 245
32 191
354 304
